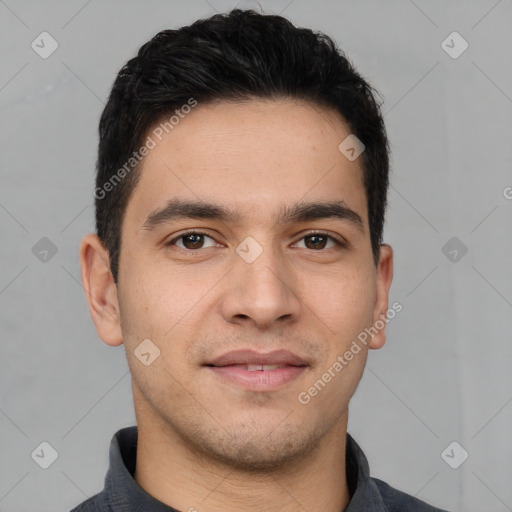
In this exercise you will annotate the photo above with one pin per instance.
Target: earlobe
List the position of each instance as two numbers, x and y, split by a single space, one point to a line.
100 289
383 284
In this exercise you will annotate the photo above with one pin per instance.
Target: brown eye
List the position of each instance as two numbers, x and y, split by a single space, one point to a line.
316 241
319 241
192 240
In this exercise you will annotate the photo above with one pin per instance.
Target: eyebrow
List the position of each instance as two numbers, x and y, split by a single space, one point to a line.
177 209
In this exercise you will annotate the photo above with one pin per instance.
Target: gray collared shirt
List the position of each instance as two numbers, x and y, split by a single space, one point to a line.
122 493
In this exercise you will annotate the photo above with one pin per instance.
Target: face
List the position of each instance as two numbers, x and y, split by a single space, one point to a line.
272 261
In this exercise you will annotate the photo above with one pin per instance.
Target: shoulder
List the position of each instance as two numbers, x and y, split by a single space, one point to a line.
398 501
89 505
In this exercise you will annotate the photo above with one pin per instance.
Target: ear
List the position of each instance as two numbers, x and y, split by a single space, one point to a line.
384 278
100 289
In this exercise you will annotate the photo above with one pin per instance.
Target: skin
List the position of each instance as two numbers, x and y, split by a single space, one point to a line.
205 443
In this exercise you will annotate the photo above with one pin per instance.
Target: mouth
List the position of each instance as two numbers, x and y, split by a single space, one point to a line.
255 371
252 367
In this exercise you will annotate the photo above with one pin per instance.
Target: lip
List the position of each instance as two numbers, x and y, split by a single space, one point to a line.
232 367
280 357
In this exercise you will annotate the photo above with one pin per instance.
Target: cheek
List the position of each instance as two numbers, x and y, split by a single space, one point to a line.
346 307
148 305
153 310
163 308
344 302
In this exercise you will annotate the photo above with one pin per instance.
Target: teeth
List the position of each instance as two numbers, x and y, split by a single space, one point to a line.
256 367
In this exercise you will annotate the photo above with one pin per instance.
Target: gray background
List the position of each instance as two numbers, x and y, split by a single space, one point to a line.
444 374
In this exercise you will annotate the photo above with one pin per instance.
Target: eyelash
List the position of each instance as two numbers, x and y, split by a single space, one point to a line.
339 244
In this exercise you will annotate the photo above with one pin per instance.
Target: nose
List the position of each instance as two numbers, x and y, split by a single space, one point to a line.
263 292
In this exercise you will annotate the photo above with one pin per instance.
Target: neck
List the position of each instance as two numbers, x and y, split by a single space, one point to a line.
180 477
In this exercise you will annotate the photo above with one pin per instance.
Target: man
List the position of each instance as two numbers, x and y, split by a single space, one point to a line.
240 197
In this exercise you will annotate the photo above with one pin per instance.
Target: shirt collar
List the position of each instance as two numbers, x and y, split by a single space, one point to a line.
365 495
123 494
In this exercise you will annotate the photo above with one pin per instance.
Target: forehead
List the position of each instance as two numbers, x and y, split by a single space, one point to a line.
251 156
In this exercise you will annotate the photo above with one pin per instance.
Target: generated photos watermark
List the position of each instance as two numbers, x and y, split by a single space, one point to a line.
151 142
304 397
